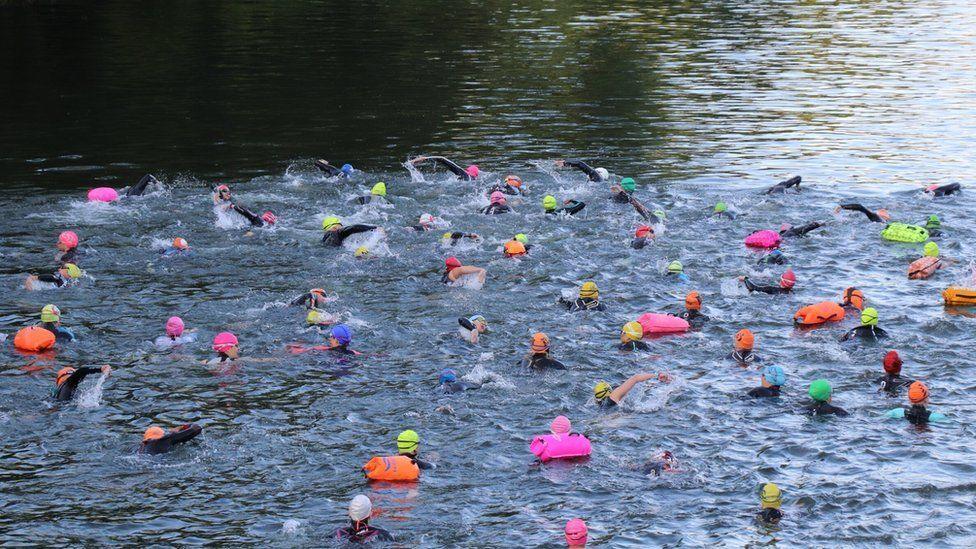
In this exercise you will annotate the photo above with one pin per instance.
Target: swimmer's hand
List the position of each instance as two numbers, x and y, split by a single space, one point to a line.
664 377
107 370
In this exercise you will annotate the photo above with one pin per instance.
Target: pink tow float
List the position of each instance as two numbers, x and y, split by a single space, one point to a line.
657 323
763 239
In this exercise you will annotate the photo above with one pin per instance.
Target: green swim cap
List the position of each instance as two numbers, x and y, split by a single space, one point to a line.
721 207
408 441
379 189
628 184
328 222
660 214
933 222
869 317
447 236
820 390
675 267
549 203
522 238
931 249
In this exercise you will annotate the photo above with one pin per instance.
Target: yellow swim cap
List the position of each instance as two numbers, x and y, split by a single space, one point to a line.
50 313
315 317
379 189
73 270
602 390
447 236
362 251
632 331
931 249
589 290
328 222
770 496
869 317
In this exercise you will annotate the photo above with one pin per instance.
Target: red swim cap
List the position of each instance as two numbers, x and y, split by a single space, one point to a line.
68 238
452 263
892 362
643 231
788 280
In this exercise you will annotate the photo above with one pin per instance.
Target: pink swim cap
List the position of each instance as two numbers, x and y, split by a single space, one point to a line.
174 326
224 341
269 217
576 532
497 197
68 238
931 188
560 425
472 170
785 227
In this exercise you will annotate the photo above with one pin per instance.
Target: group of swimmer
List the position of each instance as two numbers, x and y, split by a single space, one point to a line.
561 442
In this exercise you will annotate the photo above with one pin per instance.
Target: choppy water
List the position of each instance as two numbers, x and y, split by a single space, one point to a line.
699 102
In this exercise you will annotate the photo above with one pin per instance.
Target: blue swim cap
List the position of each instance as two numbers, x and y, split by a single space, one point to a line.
342 334
447 376
346 169
775 253
774 375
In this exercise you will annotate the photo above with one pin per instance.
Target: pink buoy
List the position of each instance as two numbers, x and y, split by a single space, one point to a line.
763 239
657 323
103 194
567 446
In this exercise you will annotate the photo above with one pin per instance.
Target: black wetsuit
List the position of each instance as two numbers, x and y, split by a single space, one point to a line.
170 439
859 208
770 515
139 188
454 168
571 207
774 259
934 232
622 197
744 357
727 214
368 199
639 243
60 334
865 331
495 209
458 236
362 533
254 218
342 349
917 414
892 383
335 238
452 387
67 388
694 318
825 408
70 256
765 289
505 189
946 190
606 403
783 185
655 467
585 168
802 230
581 304
762 392
55 279
307 300
542 361
421 464
328 169
634 346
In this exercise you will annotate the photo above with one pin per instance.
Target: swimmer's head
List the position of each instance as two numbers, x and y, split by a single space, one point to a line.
223 192
869 317
63 375
513 181
883 214
72 270
774 375
269 217
360 508
540 342
589 290
660 214
931 188
180 244
628 184
514 248
408 442
472 171
820 390
853 297
675 267
933 222
174 326
378 189
770 496
602 173
225 343
918 393
785 227
892 363
549 203
447 376
632 331
497 197
426 220
479 322
341 334
316 317
576 533
644 231
744 340
721 207
50 313
520 237
451 263
67 240
602 390
693 301
347 169
362 252
788 279
153 433
931 249
560 426
331 223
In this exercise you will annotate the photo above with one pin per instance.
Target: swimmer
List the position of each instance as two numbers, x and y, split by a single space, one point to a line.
622 192
575 534
255 219
721 209
225 344
570 207
770 500
786 282
511 186
771 379
335 233
775 257
314 299
51 321
361 252
359 530
179 246
472 327
408 444
881 216
595 174
676 271
498 205
377 194
692 313
608 397
780 188
538 357
174 333
453 270
514 248
821 392
67 248
331 171
524 240
143 185
786 230
661 462
944 190
917 414
68 379
449 384
630 338
642 236
68 275
339 339
588 300
869 327
426 223
928 268
464 174
453 238
892 382
852 300
221 197
934 226
156 441
744 342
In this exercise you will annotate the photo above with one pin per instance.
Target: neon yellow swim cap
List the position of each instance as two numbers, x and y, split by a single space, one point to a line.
602 390
379 189
770 496
362 251
73 270
50 313
549 203
869 317
589 289
408 441
931 249
522 238
329 222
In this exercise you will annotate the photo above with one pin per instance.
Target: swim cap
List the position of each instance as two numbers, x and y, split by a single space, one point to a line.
675 267
362 251
174 326
513 180
788 279
721 207
774 375
744 340
854 297
472 171
931 249
549 203
447 376
660 214
933 222
269 217
347 169
73 270
917 392
50 313
576 532
643 231
153 433
329 222
68 238
931 188
522 238
452 263
63 375
315 317
892 362
770 496
603 173
497 198
342 334
317 291
378 189
426 219
883 214
602 390
820 390
514 248
785 227
360 508
222 189
447 236
589 289
628 184
408 441
693 301
632 331
540 342
180 244
224 341
869 317
478 318
560 425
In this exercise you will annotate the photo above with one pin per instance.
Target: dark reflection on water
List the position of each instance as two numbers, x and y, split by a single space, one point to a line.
700 101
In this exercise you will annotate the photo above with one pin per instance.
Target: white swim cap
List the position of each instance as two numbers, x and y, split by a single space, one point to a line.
603 173
360 508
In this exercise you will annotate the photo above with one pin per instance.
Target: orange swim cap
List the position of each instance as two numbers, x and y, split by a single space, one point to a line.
644 231
854 298
180 244
513 180
883 214
514 248
153 433
693 301
540 342
917 392
63 375
744 340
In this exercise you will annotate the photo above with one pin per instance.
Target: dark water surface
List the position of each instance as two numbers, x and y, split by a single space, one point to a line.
699 101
